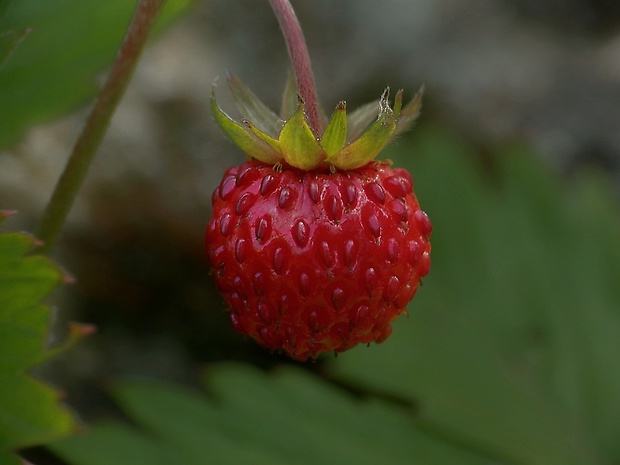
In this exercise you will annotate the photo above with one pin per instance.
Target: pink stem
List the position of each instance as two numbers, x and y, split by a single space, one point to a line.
300 58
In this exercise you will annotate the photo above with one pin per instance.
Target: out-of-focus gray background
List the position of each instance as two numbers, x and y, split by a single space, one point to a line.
545 72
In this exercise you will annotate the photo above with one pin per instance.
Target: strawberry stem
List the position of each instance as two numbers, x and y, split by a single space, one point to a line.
97 123
300 58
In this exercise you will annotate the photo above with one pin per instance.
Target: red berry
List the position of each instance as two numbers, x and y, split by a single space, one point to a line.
314 246
314 261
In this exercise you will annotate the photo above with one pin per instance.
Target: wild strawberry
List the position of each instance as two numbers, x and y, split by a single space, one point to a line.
319 250
315 246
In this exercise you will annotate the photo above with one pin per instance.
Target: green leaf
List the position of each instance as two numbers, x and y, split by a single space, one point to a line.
9 42
288 417
513 340
4 6
298 144
29 410
335 135
56 68
117 444
8 458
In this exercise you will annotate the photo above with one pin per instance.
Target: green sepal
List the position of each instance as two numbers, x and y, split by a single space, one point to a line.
410 112
363 150
360 118
269 139
266 138
243 139
289 98
335 135
252 109
398 103
298 144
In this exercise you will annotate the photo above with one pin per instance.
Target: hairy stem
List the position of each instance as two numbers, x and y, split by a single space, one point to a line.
71 179
300 59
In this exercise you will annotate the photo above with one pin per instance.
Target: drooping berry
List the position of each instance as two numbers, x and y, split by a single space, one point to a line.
314 245
303 274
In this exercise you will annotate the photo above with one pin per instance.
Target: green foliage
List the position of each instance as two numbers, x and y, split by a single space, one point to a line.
29 410
54 69
9 42
509 356
8 458
288 417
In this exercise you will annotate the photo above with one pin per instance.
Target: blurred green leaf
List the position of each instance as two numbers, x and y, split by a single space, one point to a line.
55 69
253 109
514 340
29 410
4 6
288 417
9 42
7 458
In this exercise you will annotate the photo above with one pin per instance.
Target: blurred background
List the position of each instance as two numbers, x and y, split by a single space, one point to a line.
498 73
495 71
498 70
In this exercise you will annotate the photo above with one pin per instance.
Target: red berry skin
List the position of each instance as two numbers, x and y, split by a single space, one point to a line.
310 262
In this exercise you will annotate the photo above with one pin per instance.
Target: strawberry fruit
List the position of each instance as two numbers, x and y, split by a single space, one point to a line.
313 244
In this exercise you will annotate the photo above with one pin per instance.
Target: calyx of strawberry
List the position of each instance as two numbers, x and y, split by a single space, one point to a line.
345 142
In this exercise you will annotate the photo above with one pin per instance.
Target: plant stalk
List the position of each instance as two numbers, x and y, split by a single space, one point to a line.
300 58
84 150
